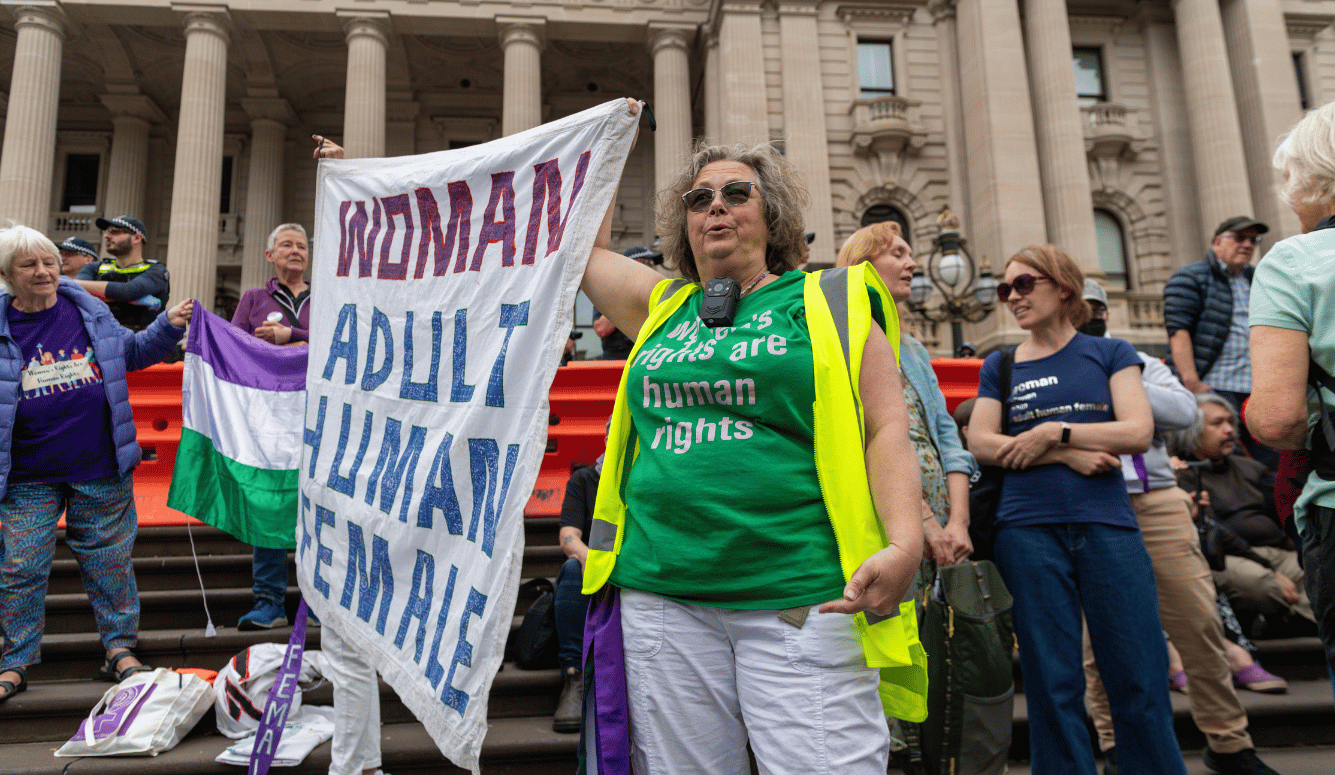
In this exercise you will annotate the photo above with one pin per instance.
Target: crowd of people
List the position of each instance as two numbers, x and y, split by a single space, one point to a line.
766 568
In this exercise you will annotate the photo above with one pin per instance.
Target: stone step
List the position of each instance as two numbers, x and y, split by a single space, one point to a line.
77 655
513 746
52 710
221 571
182 604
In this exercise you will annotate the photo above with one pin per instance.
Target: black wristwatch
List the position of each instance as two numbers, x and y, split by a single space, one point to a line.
1066 435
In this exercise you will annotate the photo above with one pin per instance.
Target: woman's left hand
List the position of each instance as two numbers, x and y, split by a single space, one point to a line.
961 543
1024 449
180 314
274 333
878 585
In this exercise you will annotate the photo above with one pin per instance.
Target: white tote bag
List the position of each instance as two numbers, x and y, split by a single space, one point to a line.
144 715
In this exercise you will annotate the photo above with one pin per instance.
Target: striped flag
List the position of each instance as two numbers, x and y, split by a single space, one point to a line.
243 402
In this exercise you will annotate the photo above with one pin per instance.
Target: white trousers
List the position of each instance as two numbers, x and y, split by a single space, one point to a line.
356 744
702 680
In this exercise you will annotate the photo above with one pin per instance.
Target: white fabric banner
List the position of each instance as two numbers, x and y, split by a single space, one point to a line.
442 295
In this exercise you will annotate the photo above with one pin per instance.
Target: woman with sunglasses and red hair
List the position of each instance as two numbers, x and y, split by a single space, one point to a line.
1067 541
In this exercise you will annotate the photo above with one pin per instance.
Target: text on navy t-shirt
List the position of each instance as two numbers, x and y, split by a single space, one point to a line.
1071 385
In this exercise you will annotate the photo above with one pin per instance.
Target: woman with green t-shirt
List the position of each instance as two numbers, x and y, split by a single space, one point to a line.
751 603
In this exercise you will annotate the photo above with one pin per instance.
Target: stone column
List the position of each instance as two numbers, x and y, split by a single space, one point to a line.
364 103
132 116
522 40
28 156
1216 139
269 119
1060 133
741 70
713 111
1268 103
1006 199
948 59
192 248
1168 101
669 45
804 120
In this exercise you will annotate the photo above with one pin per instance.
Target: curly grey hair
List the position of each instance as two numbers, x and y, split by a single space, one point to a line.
1183 443
1306 155
782 194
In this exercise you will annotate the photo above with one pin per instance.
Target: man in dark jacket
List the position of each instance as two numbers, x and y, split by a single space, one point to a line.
135 288
1205 310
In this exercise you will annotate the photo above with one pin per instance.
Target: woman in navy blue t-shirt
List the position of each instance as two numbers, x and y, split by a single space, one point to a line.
1067 542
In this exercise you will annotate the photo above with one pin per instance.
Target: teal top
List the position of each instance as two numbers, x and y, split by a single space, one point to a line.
1292 289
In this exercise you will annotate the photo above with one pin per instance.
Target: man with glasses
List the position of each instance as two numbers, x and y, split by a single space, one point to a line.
1205 309
135 288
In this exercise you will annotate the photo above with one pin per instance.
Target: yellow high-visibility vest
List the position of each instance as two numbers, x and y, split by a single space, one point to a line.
839 319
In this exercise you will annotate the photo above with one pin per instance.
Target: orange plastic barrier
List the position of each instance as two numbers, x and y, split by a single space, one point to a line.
958 378
581 399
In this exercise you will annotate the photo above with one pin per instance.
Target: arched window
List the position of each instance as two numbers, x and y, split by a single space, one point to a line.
879 213
1112 247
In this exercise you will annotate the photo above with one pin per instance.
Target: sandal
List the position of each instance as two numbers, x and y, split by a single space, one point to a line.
12 688
108 672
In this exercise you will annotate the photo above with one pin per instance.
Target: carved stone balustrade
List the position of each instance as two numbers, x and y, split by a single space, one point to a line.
886 130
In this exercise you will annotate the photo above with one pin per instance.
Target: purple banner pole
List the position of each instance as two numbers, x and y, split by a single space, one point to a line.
276 708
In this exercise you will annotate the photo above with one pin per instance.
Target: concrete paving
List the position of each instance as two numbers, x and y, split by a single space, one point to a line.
1286 761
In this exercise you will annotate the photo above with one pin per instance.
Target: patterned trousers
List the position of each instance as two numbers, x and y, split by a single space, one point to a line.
100 527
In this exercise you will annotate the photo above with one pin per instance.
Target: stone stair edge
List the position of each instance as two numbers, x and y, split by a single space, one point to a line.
406 743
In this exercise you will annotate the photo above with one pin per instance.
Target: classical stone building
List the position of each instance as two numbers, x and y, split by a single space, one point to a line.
1121 130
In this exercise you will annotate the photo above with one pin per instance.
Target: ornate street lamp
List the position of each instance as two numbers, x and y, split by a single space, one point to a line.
967 294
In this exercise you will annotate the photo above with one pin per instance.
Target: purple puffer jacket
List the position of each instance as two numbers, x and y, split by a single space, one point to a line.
257 303
119 350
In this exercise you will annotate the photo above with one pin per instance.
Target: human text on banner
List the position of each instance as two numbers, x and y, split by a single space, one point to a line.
442 295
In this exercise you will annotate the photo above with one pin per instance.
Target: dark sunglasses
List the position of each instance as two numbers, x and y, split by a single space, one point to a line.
1255 239
699 199
1023 285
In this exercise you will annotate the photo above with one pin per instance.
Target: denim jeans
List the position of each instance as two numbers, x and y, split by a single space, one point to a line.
1056 572
571 606
268 570
1319 578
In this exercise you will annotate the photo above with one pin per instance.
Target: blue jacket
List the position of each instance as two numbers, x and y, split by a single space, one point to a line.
917 367
1199 299
119 350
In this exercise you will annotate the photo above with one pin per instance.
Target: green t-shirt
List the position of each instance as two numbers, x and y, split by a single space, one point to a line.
1292 289
723 504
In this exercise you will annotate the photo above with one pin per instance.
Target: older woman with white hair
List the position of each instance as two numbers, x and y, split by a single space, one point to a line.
1293 349
67 445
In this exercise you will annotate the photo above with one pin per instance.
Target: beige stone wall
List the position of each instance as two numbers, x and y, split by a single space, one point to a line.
444 75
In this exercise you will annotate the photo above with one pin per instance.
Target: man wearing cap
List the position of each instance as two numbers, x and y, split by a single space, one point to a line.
136 289
1205 309
75 254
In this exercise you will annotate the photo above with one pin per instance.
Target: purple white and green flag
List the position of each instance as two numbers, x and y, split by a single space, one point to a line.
242 402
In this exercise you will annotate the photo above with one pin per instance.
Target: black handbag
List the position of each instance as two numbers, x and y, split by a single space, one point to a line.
985 486
534 646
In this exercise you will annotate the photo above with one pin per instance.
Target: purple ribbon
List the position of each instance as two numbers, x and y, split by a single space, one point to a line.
281 693
1138 463
606 707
